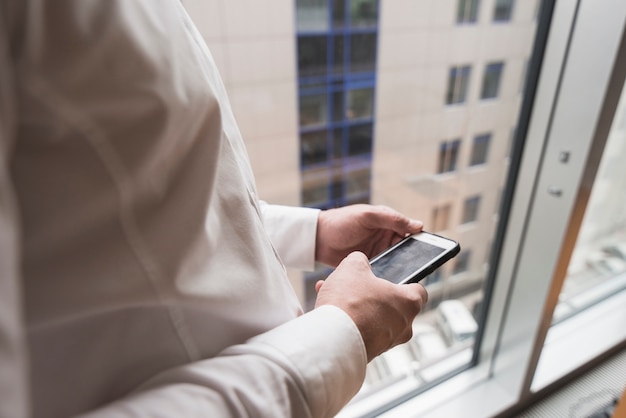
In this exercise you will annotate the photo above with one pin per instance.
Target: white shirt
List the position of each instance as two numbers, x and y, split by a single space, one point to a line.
137 271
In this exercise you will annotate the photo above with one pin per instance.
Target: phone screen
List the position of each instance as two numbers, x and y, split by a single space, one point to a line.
406 259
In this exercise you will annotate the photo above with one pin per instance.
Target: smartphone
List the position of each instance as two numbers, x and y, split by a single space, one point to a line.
414 258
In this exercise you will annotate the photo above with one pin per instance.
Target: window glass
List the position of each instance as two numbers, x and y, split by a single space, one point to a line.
313 148
313 110
458 79
362 52
503 10
448 154
467 11
424 120
338 53
480 149
363 13
358 182
470 209
338 113
441 217
339 13
315 190
491 80
360 103
360 139
597 267
312 59
312 15
461 263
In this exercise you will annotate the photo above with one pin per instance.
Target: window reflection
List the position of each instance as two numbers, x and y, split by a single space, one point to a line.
597 267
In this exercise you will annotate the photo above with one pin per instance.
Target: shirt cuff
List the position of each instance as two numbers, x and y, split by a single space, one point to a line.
327 349
292 231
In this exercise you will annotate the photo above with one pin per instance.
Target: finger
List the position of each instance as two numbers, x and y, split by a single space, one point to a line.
318 285
386 218
418 293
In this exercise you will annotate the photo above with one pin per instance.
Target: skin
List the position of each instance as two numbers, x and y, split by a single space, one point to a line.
383 311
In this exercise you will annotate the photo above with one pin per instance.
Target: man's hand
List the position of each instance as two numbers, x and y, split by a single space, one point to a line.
365 228
383 311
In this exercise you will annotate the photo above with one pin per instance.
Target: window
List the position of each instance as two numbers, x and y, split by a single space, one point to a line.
448 154
461 263
470 209
480 149
503 10
491 80
458 81
360 103
467 11
360 139
312 53
312 15
362 52
408 156
313 148
441 218
363 13
313 110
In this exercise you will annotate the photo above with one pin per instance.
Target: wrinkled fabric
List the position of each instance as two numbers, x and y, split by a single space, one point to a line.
138 275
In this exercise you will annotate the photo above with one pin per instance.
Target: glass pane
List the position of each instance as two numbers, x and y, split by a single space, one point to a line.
313 110
363 13
339 13
312 15
358 182
480 149
491 80
312 58
315 190
338 54
362 52
458 78
597 267
467 11
360 139
360 103
503 10
313 148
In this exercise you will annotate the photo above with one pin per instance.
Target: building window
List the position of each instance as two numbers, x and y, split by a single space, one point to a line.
313 110
312 15
448 154
313 148
441 218
362 52
470 209
360 139
467 11
503 10
491 80
480 149
312 59
462 262
458 81
360 103
363 13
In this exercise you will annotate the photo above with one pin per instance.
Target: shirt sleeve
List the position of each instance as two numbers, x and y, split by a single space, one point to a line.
288 371
292 231
13 378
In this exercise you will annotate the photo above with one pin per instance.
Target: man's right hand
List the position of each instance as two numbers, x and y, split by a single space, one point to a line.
383 311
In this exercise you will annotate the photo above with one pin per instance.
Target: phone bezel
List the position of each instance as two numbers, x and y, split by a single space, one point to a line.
451 249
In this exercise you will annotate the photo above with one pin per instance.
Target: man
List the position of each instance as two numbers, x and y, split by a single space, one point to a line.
139 274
